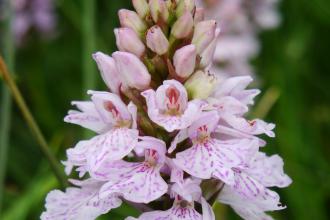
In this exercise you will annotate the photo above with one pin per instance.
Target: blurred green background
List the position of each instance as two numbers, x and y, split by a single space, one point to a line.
295 59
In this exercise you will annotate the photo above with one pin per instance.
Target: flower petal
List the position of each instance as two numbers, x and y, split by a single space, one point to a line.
110 106
233 133
253 191
87 117
175 213
254 127
171 122
136 182
269 170
247 209
236 87
208 213
228 105
216 158
113 145
78 203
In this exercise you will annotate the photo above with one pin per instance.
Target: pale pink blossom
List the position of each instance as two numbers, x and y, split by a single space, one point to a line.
37 14
184 61
117 137
133 72
130 19
81 203
185 194
250 209
183 26
136 181
128 40
169 107
109 72
156 40
249 196
210 157
240 22
166 70
204 33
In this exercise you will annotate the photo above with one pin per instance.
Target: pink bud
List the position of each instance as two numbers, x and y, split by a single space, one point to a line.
130 19
184 60
183 26
127 40
156 40
203 34
185 5
208 53
132 70
108 69
158 9
199 15
141 7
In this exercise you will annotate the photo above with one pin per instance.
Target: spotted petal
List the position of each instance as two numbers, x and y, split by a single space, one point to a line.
254 127
157 108
250 189
225 131
111 146
227 105
136 182
269 171
216 158
110 107
250 209
87 117
78 203
175 213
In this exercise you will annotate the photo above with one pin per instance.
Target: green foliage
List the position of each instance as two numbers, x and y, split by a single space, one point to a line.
294 60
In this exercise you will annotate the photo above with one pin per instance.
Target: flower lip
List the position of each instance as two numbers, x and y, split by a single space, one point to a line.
202 128
154 149
173 105
111 108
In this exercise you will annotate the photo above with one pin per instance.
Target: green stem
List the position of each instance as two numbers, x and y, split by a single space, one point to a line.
32 123
88 40
266 103
89 73
8 48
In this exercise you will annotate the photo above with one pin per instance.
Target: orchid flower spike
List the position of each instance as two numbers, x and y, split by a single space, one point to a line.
168 127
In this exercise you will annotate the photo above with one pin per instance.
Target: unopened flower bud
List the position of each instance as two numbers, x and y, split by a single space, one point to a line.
157 41
185 5
184 61
108 69
158 10
200 85
203 34
183 26
132 70
208 53
127 40
141 7
199 15
130 19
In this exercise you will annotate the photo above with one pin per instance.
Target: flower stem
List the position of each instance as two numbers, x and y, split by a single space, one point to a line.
88 40
4 73
6 102
266 103
88 19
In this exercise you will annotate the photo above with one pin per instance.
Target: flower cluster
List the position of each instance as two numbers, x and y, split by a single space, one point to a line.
169 136
240 21
38 14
